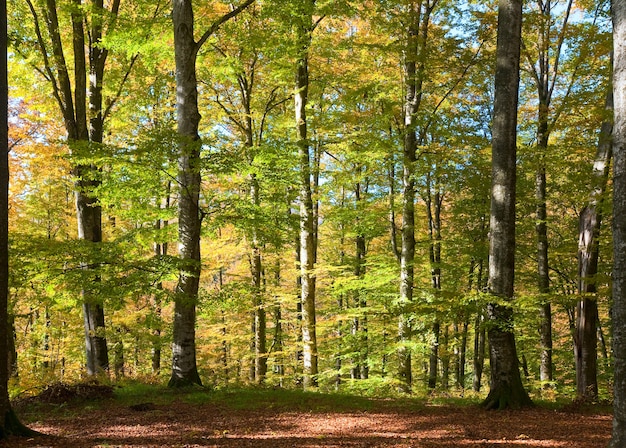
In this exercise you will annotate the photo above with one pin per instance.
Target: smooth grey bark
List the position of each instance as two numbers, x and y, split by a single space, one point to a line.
618 437
81 105
506 388
308 241
184 367
589 224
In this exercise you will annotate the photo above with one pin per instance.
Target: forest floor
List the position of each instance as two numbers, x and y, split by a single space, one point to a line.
286 419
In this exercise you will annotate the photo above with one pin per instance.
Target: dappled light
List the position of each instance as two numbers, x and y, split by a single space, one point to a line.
288 419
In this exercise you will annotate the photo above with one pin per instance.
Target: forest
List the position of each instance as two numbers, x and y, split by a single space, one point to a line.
385 198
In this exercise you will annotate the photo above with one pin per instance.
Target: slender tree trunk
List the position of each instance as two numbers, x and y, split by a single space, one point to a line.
586 316
413 79
304 28
260 340
434 357
277 342
479 335
460 378
445 358
360 322
506 388
433 210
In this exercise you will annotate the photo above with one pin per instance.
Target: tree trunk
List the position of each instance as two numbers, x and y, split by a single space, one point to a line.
506 388
585 338
618 438
74 101
304 28
9 424
360 321
434 357
184 368
256 268
479 352
413 72
433 210
460 377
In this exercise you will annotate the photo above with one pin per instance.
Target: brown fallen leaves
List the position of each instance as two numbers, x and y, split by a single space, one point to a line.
111 424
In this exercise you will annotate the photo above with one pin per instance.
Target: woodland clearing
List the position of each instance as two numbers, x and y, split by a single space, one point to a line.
282 419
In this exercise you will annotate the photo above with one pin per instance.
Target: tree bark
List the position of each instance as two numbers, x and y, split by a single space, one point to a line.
184 367
618 438
9 423
506 388
433 210
418 20
81 136
304 28
590 220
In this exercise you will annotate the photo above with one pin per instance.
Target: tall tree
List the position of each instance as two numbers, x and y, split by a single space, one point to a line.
305 26
413 65
618 438
590 220
184 368
506 388
79 95
9 423
545 70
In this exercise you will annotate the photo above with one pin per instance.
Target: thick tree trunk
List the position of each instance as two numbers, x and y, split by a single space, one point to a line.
9 424
184 368
74 105
618 438
506 388
590 220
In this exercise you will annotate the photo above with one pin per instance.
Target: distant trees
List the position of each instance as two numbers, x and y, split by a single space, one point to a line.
357 137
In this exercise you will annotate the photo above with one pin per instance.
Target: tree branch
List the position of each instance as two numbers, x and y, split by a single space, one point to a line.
219 22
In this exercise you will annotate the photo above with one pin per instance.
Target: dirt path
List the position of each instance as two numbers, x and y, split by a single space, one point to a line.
208 425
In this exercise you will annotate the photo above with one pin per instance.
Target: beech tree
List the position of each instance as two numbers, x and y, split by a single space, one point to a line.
80 100
506 388
305 26
618 438
184 368
9 423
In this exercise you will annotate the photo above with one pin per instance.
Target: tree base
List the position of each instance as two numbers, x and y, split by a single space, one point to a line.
190 380
13 427
504 397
